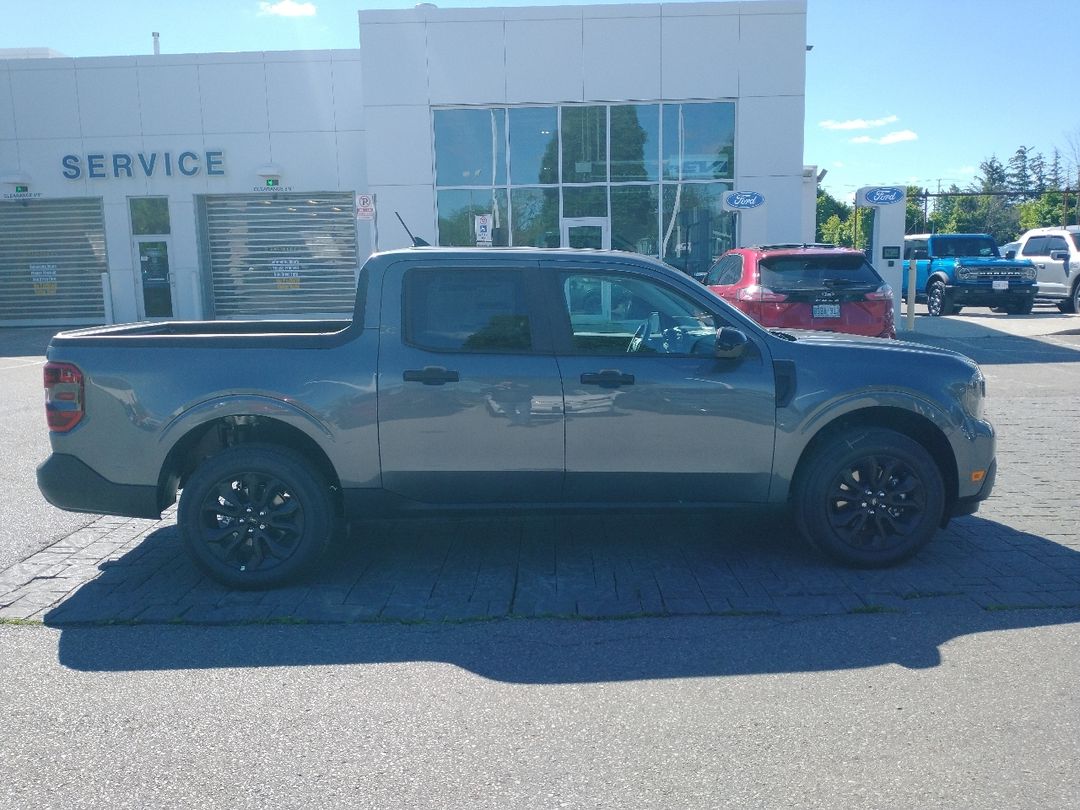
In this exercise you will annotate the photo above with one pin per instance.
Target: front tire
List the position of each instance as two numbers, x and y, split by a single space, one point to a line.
938 301
1072 303
256 516
869 498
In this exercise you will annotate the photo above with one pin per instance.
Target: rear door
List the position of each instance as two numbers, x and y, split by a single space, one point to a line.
651 415
470 400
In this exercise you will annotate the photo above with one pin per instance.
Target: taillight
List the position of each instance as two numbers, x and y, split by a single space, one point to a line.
755 292
63 396
882 293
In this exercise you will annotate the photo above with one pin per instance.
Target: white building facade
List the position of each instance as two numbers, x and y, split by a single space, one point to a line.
255 184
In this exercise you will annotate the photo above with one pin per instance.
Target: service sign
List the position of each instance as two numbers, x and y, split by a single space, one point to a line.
742 200
874 196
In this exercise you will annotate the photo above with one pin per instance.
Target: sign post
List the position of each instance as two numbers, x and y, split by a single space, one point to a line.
890 206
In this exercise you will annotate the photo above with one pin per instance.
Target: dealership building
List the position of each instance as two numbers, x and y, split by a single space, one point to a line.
248 185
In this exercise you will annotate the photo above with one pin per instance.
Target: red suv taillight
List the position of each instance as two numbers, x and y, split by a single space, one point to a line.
755 292
63 396
882 293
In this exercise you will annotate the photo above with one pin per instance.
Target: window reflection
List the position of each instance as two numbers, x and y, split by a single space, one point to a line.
634 218
470 147
649 169
534 145
699 141
696 228
458 209
584 144
635 142
587 201
535 216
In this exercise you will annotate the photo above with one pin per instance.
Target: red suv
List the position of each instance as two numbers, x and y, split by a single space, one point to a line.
806 287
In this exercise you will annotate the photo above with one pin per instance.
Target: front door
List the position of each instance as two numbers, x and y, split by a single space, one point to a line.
652 416
586 232
470 400
155 277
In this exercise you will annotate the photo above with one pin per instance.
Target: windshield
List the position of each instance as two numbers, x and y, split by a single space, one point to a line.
794 272
957 246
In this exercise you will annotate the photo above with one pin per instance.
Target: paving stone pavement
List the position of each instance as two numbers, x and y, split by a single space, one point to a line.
1022 550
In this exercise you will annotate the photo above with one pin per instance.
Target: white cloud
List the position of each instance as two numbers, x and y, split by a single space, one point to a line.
287 8
893 137
859 123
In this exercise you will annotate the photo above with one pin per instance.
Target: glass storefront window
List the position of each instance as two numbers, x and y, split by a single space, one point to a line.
696 229
649 170
535 217
584 144
534 145
635 218
587 201
699 141
635 142
458 209
470 147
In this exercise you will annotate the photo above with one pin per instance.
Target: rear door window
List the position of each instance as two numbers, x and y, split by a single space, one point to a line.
478 310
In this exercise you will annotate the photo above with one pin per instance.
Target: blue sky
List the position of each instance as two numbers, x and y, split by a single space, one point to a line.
897 91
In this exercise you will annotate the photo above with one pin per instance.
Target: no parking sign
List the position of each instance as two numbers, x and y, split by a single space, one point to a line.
482 226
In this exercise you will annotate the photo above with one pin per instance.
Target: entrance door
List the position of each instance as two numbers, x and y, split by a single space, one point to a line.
153 256
586 232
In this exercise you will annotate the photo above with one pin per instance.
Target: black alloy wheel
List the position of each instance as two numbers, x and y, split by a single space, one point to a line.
937 303
870 498
256 516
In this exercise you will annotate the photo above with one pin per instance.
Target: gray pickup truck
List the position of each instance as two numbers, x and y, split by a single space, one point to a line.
509 379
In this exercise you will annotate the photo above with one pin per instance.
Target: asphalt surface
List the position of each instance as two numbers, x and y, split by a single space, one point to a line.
952 695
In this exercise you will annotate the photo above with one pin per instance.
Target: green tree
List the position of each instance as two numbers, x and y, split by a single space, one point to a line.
827 207
915 217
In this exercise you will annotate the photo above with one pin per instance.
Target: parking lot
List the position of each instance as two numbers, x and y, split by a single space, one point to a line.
1022 550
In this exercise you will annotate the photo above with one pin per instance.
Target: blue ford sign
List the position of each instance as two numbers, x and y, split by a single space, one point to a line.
743 200
883 195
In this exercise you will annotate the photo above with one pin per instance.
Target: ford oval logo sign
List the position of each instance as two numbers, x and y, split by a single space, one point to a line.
883 195
743 200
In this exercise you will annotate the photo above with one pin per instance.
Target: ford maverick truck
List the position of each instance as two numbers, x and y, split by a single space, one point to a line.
509 379
957 270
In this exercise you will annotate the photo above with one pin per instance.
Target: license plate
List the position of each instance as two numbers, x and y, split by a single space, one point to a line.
826 311
1000 284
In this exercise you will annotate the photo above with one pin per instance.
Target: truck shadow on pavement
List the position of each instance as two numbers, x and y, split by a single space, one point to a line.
981 339
560 599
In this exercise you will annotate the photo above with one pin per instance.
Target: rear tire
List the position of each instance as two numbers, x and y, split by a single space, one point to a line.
256 516
869 498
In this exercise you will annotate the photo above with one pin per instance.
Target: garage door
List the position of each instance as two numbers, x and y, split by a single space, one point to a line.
290 255
52 255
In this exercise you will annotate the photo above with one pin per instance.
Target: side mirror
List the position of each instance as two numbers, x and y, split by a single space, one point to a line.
1010 254
730 344
1059 255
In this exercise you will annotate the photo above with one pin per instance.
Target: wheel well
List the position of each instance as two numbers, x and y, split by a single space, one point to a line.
912 425
211 438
